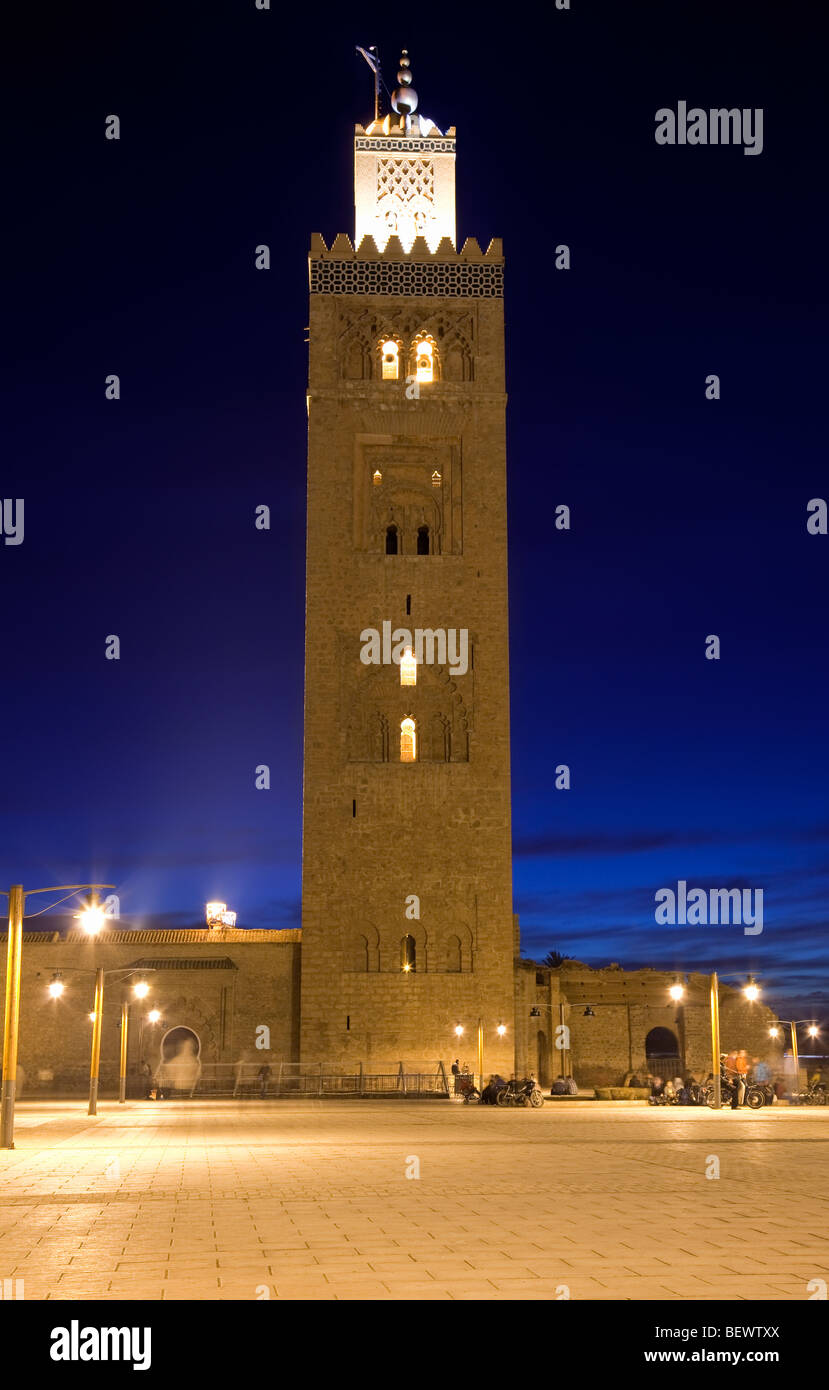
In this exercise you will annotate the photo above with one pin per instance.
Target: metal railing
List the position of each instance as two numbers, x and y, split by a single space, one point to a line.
244 1079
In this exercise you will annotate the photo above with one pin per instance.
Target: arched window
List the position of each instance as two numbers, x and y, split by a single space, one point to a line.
408 741
360 953
423 540
377 477
389 356
408 954
424 361
453 953
392 541
408 668
436 479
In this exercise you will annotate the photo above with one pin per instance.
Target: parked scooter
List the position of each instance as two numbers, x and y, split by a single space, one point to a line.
526 1092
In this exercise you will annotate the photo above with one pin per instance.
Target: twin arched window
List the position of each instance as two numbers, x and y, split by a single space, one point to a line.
424 357
393 543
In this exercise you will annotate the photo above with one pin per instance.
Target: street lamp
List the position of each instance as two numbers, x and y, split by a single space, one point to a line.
17 896
501 1030
96 1017
751 992
563 1032
812 1031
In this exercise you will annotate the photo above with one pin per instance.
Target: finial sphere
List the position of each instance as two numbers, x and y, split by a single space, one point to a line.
404 77
404 100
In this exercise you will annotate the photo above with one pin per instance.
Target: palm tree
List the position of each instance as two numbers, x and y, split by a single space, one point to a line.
554 959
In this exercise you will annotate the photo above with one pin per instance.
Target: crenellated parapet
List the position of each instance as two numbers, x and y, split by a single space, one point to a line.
442 273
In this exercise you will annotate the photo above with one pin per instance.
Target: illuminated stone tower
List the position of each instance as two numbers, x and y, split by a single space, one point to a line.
407 878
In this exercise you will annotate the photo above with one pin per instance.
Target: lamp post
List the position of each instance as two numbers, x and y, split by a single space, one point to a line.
813 1031
535 1012
17 896
500 1030
140 989
751 992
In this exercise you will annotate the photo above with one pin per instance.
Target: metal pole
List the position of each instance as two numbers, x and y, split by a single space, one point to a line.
12 1016
481 1054
125 1015
715 1039
796 1060
95 1064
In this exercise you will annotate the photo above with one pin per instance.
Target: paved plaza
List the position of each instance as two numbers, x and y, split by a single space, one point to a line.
311 1200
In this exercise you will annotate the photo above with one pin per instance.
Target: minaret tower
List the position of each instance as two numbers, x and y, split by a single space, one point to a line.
407 877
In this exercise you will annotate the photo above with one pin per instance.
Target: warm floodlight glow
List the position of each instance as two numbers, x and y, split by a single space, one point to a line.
141 989
408 668
56 988
408 741
217 915
390 365
752 991
92 918
676 991
425 365
812 1031
92 1017
459 1031
501 1029
774 1032
154 1015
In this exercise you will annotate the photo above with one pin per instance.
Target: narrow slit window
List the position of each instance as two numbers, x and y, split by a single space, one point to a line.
408 741
425 362
408 955
408 668
391 364
408 605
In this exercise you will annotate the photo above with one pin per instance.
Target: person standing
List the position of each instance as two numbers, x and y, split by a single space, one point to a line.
456 1073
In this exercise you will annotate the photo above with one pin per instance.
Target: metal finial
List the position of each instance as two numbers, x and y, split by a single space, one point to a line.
404 98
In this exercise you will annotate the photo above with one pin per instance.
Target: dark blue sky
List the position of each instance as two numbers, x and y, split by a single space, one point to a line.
136 257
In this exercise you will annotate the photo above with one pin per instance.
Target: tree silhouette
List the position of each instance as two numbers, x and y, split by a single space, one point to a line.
554 959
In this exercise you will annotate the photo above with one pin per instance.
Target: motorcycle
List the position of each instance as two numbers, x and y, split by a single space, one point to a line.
755 1096
815 1095
524 1093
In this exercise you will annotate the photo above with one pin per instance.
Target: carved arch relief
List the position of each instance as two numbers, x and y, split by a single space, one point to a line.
448 340
378 706
408 948
408 482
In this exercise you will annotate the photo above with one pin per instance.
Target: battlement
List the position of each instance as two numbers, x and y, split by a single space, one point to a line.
343 248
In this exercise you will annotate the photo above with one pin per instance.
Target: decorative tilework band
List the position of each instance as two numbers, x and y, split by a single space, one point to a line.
442 279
